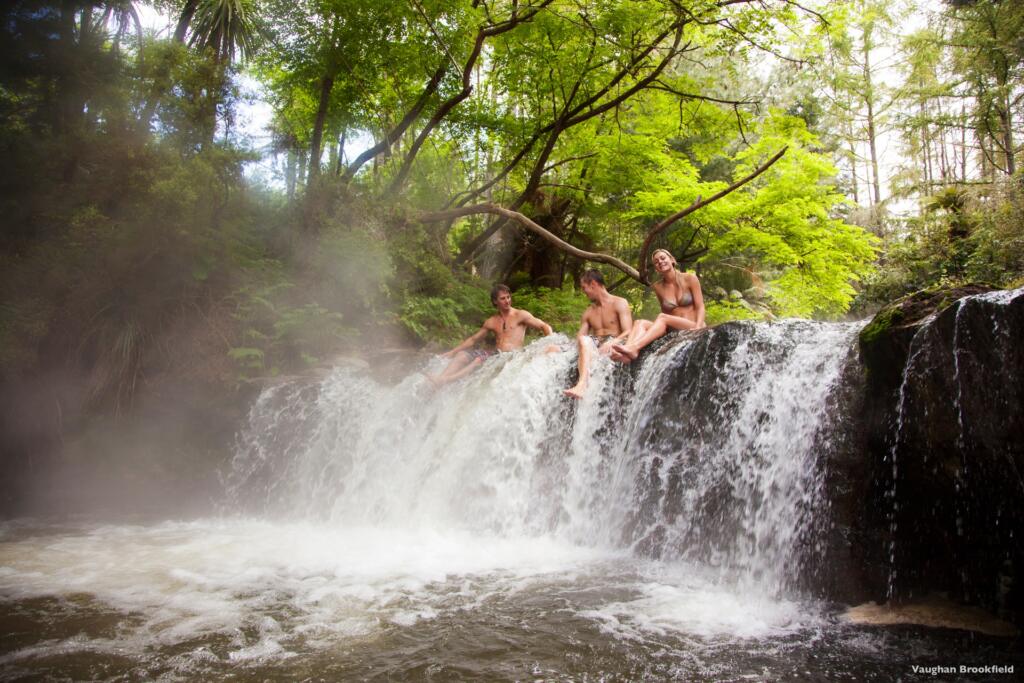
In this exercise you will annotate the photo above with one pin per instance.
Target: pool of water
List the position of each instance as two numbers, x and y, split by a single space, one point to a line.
247 599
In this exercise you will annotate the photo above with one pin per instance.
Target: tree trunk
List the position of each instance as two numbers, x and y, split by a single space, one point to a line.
926 153
301 175
869 99
1006 126
963 145
290 171
986 171
185 20
339 156
315 151
853 171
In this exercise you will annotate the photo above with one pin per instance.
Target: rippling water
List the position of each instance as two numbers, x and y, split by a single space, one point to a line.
252 600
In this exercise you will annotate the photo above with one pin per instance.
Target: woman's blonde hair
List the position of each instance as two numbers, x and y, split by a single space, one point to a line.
665 251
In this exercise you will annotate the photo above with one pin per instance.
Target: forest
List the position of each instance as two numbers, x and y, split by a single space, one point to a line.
808 159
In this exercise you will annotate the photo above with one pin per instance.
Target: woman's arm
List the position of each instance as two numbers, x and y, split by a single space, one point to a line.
698 300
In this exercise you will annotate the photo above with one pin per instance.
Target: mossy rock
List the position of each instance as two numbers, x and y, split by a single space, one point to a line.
885 341
881 324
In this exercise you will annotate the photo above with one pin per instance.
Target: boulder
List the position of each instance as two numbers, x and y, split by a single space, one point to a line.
755 293
942 428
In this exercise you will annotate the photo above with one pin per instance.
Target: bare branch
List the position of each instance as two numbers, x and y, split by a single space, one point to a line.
661 85
470 194
392 135
555 165
430 25
491 208
467 86
817 15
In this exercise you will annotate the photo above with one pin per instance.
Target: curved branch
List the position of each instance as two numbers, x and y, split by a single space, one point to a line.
467 85
391 136
491 208
661 85
699 204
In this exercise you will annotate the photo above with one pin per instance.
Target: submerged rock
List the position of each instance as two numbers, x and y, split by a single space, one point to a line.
935 612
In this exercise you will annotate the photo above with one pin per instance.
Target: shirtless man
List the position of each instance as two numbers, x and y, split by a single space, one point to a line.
606 321
509 328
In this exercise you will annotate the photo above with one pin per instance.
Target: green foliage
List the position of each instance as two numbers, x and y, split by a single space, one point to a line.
351 267
966 236
282 335
717 312
446 320
560 308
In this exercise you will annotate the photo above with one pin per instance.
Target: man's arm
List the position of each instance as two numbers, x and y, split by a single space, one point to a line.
468 342
584 325
536 323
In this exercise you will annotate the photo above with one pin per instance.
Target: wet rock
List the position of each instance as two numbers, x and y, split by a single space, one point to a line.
943 430
934 611
734 294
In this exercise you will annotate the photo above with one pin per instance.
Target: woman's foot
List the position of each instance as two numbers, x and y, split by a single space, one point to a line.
628 354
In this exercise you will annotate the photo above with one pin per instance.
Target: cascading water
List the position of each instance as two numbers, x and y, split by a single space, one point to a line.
914 352
492 530
708 454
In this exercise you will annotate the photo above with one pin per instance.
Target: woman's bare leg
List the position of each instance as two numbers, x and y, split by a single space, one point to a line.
635 332
658 328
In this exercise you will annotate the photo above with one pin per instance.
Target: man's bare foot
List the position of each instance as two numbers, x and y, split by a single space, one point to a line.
576 392
624 350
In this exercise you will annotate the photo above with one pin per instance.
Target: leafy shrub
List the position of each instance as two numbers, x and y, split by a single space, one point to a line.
560 308
447 320
723 311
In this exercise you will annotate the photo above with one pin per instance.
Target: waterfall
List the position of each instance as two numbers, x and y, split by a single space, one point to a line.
707 450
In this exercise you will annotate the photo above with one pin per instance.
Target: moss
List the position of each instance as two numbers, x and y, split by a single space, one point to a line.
881 324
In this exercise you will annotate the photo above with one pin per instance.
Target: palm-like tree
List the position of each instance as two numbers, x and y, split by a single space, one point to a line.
225 26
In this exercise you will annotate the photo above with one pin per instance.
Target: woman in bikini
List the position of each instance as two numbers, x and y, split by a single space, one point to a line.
682 308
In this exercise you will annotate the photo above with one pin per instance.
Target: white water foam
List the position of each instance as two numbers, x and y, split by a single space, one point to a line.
366 508
272 591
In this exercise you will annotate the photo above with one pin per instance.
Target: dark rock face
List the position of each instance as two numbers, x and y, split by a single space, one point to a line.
943 430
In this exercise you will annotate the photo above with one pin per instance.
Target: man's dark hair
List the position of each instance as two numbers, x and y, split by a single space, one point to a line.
592 275
496 291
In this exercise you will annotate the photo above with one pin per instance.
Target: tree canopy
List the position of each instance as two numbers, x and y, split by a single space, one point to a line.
421 150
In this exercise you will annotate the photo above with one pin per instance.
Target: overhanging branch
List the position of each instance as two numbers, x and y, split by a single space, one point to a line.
698 204
524 221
